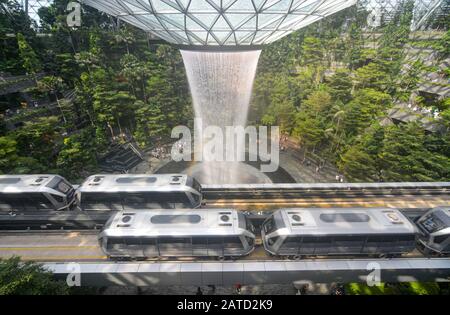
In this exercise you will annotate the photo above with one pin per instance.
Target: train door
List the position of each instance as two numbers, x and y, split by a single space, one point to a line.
55 201
371 245
199 246
347 244
215 246
11 202
290 245
323 245
175 246
133 247
116 246
134 201
232 246
149 247
307 245
386 244
406 243
194 199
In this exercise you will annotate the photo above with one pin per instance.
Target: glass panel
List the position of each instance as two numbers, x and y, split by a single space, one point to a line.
200 6
237 19
344 217
221 25
233 242
175 219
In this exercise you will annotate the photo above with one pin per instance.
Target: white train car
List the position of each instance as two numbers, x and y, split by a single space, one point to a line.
144 234
435 231
23 193
140 191
357 231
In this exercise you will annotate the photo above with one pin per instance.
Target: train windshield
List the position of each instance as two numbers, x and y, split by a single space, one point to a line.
432 223
269 225
249 226
62 186
196 185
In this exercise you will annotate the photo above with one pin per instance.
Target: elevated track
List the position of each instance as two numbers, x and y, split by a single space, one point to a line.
77 257
261 198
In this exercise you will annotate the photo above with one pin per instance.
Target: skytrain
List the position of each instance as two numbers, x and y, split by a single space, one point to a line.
175 200
25 193
287 233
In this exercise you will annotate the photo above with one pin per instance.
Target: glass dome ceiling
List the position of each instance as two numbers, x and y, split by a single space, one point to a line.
220 22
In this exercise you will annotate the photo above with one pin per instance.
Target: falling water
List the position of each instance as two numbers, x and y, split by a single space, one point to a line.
221 87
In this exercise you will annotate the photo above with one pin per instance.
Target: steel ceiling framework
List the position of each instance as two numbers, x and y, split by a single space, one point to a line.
383 11
220 22
242 22
32 7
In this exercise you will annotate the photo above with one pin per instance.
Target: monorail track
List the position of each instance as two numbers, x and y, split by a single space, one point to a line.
82 246
261 198
263 204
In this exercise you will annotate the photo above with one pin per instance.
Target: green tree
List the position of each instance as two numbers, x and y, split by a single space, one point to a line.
28 278
371 76
341 86
31 63
77 157
308 130
53 85
405 158
366 106
150 123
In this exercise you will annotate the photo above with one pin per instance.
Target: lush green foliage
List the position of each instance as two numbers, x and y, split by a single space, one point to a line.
331 86
405 288
28 278
123 86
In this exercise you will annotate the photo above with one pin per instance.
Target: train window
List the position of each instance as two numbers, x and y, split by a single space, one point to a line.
61 186
348 239
148 241
318 239
9 181
269 225
439 239
232 242
136 180
291 242
380 239
42 202
272 240
134 198
115 242
196 198
58 199
308 239
98 201
155 200
432 223
199 240
11 202
406 238
344 217
248 225
174 241
215 241
196 185
172 219
132 241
